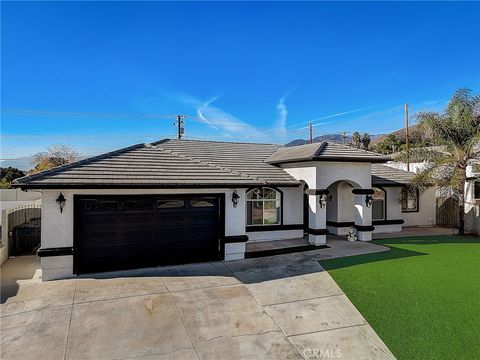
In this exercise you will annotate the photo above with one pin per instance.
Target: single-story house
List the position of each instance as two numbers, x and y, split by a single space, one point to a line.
472 201
177 201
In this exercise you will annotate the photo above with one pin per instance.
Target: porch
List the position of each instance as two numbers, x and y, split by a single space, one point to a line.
337 246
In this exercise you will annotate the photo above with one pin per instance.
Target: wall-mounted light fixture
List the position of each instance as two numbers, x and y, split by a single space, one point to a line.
60 202
235 198
322 200
368 200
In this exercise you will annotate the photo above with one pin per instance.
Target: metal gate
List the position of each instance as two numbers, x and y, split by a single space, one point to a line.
23 229
447 212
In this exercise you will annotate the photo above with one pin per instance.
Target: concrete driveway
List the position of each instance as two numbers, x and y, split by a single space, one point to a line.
282 307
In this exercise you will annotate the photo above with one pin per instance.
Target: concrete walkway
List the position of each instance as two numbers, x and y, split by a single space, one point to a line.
280 307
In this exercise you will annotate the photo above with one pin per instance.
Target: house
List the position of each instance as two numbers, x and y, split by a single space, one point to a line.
177 201
472 202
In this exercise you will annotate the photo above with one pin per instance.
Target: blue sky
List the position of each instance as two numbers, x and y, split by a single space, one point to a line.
99 76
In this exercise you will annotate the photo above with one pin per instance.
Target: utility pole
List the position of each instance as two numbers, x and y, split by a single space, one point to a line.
180 126
311 132
406 137
344 137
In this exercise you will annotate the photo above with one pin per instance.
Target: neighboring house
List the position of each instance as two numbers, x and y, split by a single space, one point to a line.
472 202
176 201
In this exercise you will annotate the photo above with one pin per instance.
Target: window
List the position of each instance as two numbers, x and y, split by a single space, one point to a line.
202 203
409 200
170 204
378 204
476 190
263 207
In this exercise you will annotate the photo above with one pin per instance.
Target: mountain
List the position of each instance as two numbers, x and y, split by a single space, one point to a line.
412 129
335 138
23 163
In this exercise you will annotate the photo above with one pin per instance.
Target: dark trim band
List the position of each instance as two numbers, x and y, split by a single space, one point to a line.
317 231
387 222
340 224
363 191
234 239
61 251
364 228
317 191
253 228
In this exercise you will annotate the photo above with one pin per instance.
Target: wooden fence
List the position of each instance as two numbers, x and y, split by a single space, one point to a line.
447 212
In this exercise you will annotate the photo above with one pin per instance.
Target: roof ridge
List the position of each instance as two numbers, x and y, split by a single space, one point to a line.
75 163
320 149
357 149
213 141
216 166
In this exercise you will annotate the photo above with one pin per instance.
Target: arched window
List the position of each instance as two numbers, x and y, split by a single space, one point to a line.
378 205
264 206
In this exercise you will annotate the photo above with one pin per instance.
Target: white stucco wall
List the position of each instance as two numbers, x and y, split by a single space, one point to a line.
394 205
292 213
426 215
57 228
472 207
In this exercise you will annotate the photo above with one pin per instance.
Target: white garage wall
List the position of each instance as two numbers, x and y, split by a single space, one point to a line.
57 228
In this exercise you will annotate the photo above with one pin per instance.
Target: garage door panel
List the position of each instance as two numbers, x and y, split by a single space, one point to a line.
116 232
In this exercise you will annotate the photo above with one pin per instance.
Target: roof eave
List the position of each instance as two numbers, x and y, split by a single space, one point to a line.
152 186
382 160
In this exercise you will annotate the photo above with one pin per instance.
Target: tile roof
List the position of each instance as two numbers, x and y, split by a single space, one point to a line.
168 163
389 176
324 151
189 163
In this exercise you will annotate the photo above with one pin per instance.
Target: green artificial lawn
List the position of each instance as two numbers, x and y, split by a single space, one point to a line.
422 296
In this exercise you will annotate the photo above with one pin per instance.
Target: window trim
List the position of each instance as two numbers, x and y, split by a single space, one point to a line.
384 204
476 183
246 207
418 201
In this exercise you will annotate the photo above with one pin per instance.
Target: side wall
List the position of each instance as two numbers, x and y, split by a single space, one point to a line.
426 215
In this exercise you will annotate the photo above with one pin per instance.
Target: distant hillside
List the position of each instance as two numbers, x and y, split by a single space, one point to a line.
400 133
335 138
22 163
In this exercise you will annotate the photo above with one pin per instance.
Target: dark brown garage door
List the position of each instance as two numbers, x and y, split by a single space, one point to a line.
121 232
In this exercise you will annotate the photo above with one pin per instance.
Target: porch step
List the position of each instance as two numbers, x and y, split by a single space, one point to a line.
278 247
281 251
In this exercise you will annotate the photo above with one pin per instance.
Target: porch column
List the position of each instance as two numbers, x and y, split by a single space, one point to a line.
317 226
363 214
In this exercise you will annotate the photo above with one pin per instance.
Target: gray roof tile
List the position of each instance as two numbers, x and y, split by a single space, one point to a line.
324 151
389 176
170 163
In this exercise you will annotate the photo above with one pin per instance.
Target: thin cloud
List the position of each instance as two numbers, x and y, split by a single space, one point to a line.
219 119
282 117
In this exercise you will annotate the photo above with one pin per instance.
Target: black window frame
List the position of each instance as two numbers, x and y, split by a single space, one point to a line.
476 189
404 199
252 226
384 204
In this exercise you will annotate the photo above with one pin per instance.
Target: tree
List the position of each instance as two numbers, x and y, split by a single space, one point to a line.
366 141
356 139
55 155
457 130
9 174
